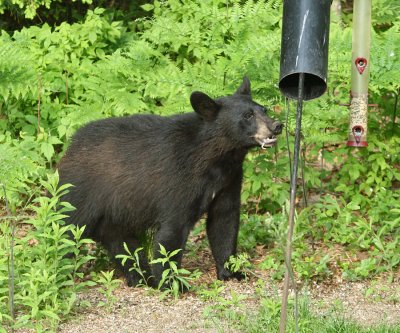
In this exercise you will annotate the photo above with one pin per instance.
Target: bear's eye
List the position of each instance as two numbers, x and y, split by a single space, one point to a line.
248 115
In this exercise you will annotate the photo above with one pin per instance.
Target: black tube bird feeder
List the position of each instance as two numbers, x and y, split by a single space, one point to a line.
303 76
304 48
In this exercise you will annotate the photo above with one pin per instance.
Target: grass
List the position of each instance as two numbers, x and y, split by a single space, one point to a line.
266 320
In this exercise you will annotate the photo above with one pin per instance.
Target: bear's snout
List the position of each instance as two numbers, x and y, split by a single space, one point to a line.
277 127
267 130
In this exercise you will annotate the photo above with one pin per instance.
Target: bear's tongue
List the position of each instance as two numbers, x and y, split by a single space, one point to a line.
268 142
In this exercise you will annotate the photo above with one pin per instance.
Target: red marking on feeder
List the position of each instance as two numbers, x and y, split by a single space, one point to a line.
358 141
361 63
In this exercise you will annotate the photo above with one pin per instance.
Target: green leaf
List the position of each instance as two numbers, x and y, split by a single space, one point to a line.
47 150
256 185
92 36
353 206
354 173
175 252
147 7
50 314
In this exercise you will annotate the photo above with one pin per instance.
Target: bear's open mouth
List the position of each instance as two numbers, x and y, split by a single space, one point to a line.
268 142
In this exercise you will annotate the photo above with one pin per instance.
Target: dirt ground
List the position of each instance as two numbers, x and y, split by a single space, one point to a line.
138 311
141 310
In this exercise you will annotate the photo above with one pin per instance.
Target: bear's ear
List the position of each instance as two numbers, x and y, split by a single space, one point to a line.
204 105
244 89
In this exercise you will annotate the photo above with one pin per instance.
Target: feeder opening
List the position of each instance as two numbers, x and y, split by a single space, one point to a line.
358 130
314 86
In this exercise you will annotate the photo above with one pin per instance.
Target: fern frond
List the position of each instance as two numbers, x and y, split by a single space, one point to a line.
16 69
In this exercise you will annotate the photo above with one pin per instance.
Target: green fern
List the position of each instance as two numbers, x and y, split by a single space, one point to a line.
385 61
15 171
16 69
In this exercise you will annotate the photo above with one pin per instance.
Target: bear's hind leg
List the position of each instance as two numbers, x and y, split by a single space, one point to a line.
172 237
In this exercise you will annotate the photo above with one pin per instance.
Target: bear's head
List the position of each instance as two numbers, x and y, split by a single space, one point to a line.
241 120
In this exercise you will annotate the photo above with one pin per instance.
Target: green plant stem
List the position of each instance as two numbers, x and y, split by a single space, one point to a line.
16 218
396 99
11 275
66 88
39 99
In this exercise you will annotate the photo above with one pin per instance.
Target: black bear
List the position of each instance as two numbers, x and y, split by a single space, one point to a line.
142 172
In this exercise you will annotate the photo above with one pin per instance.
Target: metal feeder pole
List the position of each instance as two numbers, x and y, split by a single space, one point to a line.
303 72
360 74
293 186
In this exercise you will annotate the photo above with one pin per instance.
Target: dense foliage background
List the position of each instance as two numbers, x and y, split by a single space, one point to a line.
63 64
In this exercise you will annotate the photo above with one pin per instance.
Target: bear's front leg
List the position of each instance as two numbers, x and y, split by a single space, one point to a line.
222 229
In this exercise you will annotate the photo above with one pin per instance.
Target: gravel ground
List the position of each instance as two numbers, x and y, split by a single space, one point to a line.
381 306
138 310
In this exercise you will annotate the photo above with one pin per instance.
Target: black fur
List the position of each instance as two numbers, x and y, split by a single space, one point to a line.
145 171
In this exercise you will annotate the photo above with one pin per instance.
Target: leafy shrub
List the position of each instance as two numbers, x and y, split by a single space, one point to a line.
46 280
107 287
174 279
134 260
28 8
